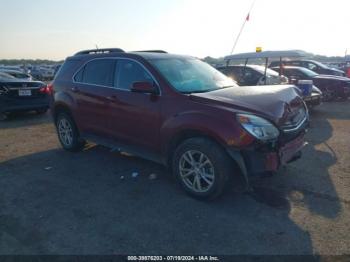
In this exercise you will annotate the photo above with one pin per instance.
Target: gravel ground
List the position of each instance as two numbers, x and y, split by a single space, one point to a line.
55 202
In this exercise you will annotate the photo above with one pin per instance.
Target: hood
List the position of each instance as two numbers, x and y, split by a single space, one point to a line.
273 102
340 78
335 70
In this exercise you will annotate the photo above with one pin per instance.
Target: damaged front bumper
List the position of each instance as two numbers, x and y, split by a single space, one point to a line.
270 157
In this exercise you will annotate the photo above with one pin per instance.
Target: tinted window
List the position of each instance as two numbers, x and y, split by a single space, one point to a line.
99 72
129 72
79 76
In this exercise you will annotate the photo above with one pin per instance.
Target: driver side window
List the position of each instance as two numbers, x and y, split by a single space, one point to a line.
129 72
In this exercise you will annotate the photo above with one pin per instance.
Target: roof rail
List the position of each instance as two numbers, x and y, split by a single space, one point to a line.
100 51
152 51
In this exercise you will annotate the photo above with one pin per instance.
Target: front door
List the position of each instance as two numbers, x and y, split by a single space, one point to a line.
134 117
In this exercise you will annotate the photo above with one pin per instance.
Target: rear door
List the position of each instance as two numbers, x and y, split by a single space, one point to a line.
134 118
93 85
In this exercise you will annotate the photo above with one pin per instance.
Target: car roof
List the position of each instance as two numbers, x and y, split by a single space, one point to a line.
151 55
250 66
115 52
11 71
267 54
290 67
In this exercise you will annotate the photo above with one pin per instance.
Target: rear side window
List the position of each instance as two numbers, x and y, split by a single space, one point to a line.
98 72
79 76
66 70
129 72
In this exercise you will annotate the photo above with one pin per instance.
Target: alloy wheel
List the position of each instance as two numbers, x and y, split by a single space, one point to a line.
65 132
197 171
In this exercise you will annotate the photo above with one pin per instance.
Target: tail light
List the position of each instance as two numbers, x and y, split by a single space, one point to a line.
47 89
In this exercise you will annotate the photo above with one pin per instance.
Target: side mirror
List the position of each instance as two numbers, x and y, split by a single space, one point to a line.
143 87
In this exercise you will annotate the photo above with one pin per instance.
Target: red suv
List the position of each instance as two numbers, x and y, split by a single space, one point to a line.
180 112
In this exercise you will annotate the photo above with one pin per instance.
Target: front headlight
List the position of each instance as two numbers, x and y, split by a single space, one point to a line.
258 127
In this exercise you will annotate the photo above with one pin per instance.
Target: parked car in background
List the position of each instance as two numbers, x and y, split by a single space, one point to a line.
253 75
16 68
56 68
18 74
21 95
180 112
312 65
42 73
332 87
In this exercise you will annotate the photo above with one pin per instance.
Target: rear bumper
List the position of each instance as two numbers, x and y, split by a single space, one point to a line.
257 161
8 105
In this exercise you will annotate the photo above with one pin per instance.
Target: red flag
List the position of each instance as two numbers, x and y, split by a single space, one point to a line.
248 17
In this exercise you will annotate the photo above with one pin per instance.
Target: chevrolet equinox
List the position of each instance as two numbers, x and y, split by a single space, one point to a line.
180 112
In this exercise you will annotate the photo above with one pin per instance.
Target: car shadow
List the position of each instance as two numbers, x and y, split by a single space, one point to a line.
55 202
308 181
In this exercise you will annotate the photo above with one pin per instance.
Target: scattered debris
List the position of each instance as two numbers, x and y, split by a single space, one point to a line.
152 177
122 178
48 168
135 175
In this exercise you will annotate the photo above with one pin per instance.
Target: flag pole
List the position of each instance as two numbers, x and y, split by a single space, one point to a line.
240 31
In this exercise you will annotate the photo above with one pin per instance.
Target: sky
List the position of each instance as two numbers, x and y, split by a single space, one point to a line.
55 29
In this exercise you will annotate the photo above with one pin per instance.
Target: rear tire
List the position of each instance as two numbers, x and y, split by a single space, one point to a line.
202 168
68 133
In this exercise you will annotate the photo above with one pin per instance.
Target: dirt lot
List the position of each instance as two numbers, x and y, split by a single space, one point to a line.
55 202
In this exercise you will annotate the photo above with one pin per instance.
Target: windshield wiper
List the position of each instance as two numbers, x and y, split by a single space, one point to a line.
206 90
199 91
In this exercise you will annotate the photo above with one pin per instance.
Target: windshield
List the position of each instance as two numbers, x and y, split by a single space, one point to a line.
269 72
190 75
308 72
321 65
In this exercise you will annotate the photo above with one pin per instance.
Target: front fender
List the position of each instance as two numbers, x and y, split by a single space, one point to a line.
222 128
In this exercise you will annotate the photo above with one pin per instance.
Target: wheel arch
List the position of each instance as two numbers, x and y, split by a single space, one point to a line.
184 135
61 107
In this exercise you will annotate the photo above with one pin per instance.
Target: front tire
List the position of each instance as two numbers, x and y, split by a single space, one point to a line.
202 168
68 133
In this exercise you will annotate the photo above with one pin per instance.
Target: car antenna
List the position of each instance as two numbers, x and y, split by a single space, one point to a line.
242 27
